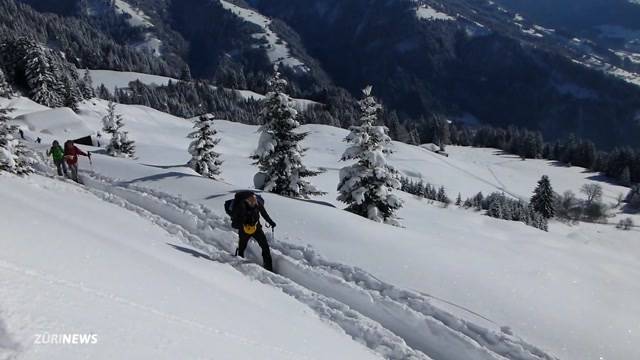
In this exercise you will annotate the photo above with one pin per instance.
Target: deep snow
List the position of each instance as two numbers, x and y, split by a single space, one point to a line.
571 292
72 263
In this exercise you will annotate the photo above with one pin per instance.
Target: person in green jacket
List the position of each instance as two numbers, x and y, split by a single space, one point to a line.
57 153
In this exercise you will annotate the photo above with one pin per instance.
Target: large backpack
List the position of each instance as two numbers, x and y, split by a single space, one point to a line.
240 196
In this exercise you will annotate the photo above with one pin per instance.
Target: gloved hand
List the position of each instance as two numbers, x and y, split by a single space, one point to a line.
273 225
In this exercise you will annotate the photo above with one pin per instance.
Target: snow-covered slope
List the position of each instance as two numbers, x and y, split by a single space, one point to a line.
73 263
121 79
453 284
277 49
136 17
426 12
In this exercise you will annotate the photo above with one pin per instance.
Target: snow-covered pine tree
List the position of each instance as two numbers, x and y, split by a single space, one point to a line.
459 200
86 85
5 88
367 186
279 154
204 160
539 221
496 210
72 94
40 71
477 201
543 198
120 144
14 157
442 197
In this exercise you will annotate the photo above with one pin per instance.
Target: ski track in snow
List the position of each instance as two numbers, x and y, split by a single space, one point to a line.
396 323
500 186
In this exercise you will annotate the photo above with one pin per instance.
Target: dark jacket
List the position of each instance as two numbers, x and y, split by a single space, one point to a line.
243 214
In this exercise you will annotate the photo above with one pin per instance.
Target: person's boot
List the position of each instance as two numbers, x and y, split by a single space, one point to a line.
268 263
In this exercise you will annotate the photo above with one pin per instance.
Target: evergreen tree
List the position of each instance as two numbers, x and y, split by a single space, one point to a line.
496 210
86 85
103 93
367 186
41 73
625 177
72 95
120 145
543 198
459 200
5 88
14 157
204 160
477 201
442 197
185 74
279 154
633 198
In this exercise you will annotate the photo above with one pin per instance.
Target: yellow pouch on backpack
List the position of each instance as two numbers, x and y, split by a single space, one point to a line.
250 229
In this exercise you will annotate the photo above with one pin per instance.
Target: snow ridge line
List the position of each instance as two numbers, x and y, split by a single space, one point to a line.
362 329
423 326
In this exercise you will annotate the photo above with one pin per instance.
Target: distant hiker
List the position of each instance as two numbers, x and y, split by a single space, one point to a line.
57 153
245 210
71 153
21 134
38 140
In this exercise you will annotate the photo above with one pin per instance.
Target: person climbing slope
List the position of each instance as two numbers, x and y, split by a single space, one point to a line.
245 210
71 153
57 153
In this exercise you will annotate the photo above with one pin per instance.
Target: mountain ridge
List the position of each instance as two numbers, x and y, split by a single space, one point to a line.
477 60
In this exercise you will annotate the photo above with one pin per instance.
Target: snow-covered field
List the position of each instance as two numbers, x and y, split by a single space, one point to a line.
452 284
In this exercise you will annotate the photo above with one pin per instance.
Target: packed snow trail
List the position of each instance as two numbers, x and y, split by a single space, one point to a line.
360 328
317 282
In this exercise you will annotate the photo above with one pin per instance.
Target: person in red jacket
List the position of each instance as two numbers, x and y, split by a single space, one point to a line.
71 153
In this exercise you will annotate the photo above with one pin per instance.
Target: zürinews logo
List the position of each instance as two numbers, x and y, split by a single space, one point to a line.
65 339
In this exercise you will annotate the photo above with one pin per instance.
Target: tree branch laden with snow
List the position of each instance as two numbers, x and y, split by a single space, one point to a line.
14 156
